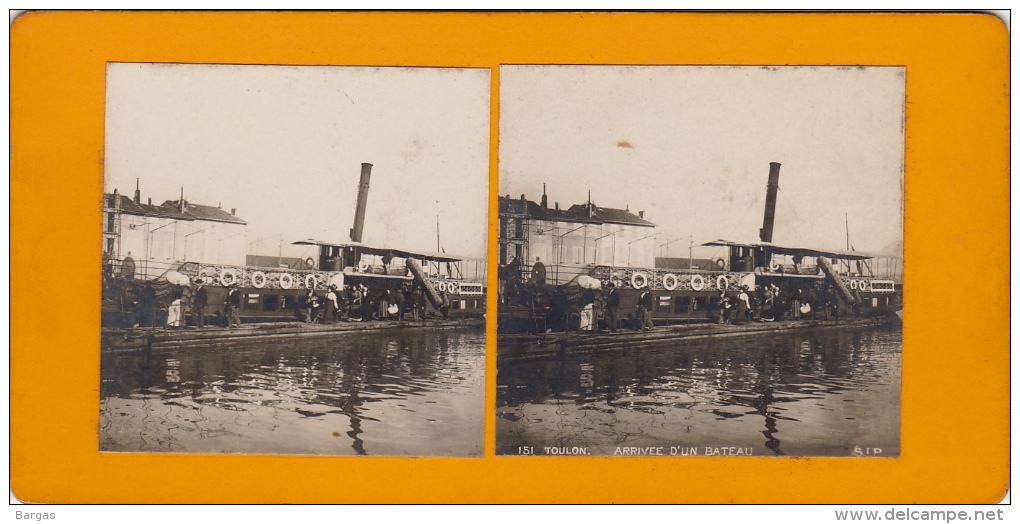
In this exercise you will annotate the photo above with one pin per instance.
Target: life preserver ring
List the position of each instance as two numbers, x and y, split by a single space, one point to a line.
310 263
773 266
862 285
258 279
720 263
362 266
669 281
451 287
441 287
722 282
635 277
697 282
228 277
286 281
853 284
311 281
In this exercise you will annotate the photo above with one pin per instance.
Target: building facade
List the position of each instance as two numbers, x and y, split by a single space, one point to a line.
159 237
566 241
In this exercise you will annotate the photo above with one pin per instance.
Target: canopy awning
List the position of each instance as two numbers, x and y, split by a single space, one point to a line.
383 251
793 251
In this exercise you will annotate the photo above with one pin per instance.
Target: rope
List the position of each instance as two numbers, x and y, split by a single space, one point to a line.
789 203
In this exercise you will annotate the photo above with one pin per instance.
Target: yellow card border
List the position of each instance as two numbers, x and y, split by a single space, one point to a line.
956 381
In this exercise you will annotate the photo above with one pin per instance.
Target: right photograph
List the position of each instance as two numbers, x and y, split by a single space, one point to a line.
700 261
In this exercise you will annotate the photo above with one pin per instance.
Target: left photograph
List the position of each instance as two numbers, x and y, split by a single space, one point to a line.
294 260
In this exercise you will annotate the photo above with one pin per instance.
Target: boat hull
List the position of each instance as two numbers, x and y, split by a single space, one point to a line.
553 345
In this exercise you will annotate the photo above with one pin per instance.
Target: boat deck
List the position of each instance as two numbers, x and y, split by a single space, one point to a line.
557 344
146 338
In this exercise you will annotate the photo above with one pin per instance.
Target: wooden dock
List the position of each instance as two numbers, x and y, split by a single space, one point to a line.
558 344
147 339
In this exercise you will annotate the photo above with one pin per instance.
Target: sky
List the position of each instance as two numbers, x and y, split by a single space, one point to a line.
691 146
284 145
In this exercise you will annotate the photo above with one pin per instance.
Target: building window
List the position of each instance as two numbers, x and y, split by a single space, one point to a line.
109 246
111 222
577 254
682 304
251 301
270 303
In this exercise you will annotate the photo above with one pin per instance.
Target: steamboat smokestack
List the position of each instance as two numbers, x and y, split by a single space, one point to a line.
770 203
359 212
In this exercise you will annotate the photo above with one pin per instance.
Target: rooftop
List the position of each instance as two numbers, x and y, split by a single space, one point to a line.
171 209
587 213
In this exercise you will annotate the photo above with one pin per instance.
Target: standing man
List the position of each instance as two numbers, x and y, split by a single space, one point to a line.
187 304
444 305
232 305
201 300
743 305
145 313
612 305
724 308
644 311
418 299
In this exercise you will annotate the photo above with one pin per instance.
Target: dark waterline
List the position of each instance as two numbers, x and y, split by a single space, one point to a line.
830 392
417 393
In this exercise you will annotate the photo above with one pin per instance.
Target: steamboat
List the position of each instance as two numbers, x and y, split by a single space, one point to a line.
279 294
784 285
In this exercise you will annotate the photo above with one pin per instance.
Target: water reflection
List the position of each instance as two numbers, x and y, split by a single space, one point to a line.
413 393
805 394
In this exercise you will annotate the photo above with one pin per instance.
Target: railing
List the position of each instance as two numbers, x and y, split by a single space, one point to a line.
278 278
672 280
243 276
143 269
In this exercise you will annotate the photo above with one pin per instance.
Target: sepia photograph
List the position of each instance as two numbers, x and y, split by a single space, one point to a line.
700 261
294 259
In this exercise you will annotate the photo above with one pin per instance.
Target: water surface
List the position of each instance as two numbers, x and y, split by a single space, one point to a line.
412 393
826 392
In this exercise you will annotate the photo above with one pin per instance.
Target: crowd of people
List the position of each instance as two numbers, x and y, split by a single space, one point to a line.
357 303
771 302
163 304
598 308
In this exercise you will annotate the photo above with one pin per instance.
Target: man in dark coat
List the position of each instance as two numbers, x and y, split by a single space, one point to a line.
201 301
644 311
145 312
612 305
232 306
418 303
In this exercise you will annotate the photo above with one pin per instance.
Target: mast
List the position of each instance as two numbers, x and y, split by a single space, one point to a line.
846 218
